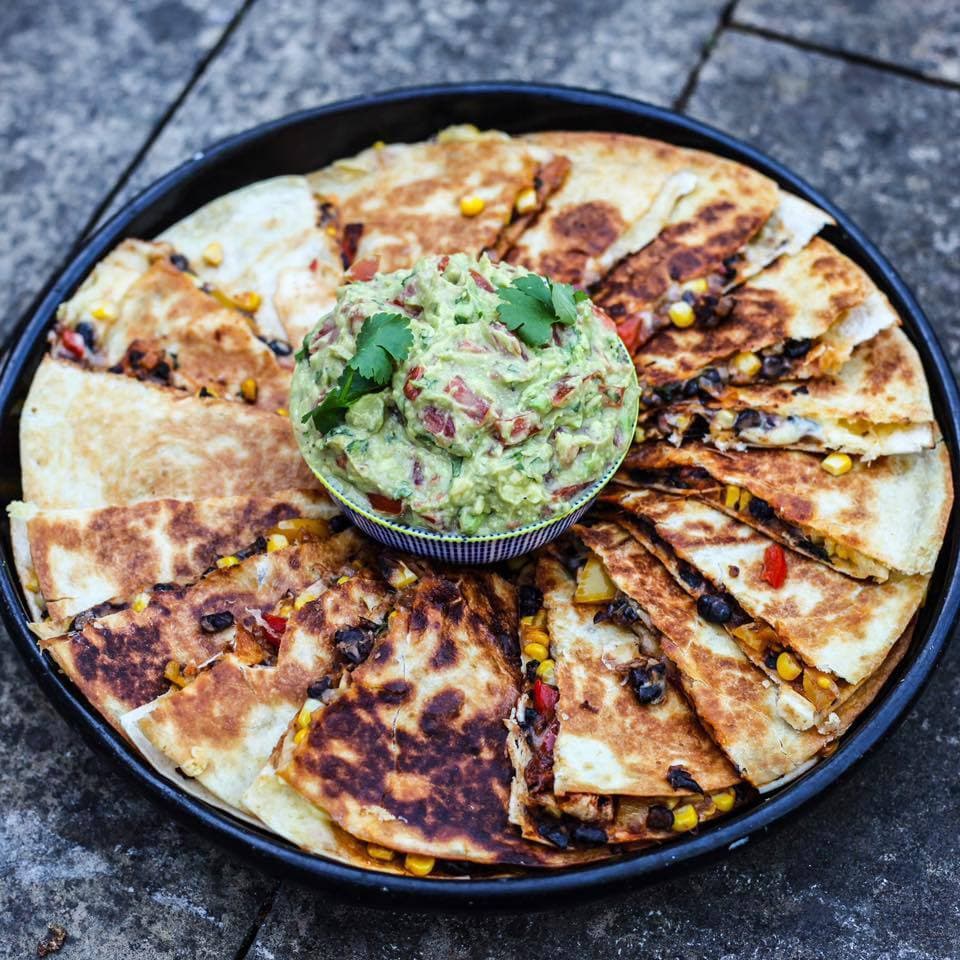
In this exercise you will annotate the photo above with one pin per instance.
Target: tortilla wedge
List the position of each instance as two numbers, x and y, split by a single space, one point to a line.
801 318
877 405
90 439
81 558
839 630
397 202
119 661
853 522
614 757
411 755
734 700
272 244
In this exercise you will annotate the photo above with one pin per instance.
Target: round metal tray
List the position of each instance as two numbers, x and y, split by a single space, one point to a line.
310 139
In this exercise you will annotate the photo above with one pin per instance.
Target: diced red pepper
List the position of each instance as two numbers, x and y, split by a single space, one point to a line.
443 263
481 281
515 429
365 269
275 628
314 264
385 504
73 343
439 423
566 493
629 331
474 406
774 565
545 697
561 391
409 390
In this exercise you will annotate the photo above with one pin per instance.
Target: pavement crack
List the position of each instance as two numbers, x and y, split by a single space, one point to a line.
263 911
726 17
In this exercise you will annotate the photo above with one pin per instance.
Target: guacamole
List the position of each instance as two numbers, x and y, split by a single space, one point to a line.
475 430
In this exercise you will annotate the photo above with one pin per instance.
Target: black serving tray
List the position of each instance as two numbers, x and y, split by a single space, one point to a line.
307 140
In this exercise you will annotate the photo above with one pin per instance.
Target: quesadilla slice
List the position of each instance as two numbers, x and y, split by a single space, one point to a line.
91 439
815 632
266 249
854 522
733 699
411 756
458 192
605 747
877 405
126 659
81 558
800 318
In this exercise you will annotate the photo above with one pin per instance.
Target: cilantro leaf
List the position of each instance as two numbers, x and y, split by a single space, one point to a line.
383 340
531 305
564 301
331 411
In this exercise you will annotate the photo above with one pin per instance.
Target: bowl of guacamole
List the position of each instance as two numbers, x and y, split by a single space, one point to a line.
463 399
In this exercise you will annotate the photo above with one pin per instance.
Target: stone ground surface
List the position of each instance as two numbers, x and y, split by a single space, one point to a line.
108 95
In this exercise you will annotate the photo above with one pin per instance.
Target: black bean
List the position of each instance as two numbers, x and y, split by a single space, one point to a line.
353 643
795 349
691 388
180 261
258 546
771 660
688 296
281 348
164 587
690 575
530 718
660 818
648 683
710 382
704 310
714 609
214 622
747 420
760 509
679 779
162 370
529 600
817 549
800 391
697 430
204 392
671 391
556 833
532 670
319 687
339 523
134 356
87 333
116 368
589 834
774 366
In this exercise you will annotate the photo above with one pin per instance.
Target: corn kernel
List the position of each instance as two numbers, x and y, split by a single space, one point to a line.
536 651
418 865
787 666
640 435
301 735
204 392
685 818
342 580
401 576
224 562
33 585
140 602
104 310
545 671
842 552
276 541
472 206
172 673
724 419
248 390
724 801
824 682
332 230
526 201
533 634
745 497
836 464
213 254
298 529
732 497
681 313
538 620
746 364
194 766
304 598
378 144
303 717
380 853
594 584
699 285
282 412
248 301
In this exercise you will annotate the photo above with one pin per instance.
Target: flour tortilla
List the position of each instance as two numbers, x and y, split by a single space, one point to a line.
734 700
403 199
273 245
809 295
89 556
91 439
862 510
118 661
412 755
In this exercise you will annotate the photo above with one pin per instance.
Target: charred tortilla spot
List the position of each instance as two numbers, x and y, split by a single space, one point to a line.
396 691
594 226
440 710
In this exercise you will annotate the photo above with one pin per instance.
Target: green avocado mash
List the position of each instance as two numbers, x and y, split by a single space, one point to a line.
475 429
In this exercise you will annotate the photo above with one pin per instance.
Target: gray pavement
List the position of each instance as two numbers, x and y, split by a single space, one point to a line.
861 98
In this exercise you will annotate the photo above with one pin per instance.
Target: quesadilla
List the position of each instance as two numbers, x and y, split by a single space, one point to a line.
812 630
605 747
411 755
456 193
853 522
81 558
800 318
126 659
267 248
622 191
734 700
877 405
91 439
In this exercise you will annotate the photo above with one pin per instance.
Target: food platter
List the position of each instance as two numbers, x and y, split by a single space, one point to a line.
303 142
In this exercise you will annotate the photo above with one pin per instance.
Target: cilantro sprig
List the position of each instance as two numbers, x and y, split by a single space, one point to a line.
383 342
531 305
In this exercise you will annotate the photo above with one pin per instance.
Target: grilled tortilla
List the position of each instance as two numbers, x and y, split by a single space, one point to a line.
801 318
733 699
222 727
877 405
273 244
90 439
411 756
613 757
84 557
119 660
854 522
839 629
397 202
